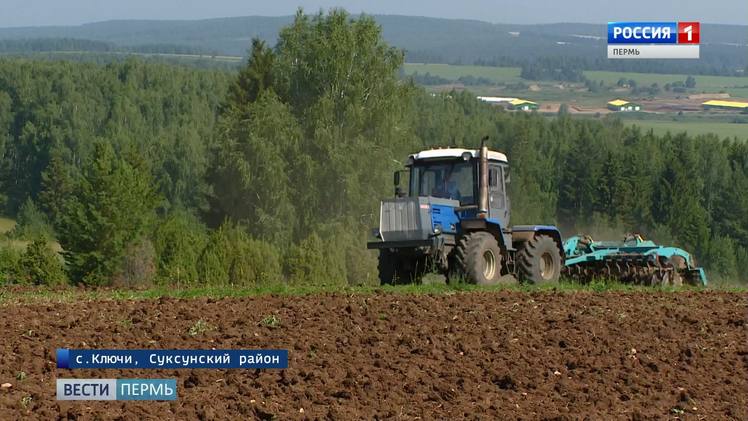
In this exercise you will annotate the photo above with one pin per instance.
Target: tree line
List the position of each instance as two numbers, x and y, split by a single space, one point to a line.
150 173
38 45
719 61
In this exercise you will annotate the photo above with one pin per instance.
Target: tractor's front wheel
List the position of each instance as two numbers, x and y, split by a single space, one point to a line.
388 267
540 261
478 258
395 269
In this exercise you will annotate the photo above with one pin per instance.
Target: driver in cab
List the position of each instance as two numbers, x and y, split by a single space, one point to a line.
448 189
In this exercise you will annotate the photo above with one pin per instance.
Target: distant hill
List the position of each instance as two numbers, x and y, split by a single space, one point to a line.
230 36
434 40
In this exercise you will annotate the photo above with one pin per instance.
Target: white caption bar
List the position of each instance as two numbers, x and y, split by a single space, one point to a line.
653 51
86 389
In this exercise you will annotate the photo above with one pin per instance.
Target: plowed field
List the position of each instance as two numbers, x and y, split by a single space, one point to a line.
497 355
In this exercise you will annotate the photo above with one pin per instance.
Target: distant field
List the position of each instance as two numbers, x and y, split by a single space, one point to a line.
507 75
6 224
739 92
549 92
733 85
736 86
453 72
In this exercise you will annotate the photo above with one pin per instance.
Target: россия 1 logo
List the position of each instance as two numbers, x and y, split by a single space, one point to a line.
653 39
688 32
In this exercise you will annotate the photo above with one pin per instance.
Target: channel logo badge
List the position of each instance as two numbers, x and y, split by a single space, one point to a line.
688 32
654 33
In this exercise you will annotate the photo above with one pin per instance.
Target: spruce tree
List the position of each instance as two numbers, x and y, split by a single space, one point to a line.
111 206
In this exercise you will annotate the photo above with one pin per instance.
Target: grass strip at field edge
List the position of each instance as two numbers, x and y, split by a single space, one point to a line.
42 294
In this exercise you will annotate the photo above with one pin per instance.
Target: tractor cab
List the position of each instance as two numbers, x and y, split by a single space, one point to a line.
453 174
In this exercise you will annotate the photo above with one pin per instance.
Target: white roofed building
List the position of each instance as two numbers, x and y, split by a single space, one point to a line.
496 99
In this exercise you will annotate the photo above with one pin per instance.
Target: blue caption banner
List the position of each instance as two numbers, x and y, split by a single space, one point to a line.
116 389
172 358
642 33
146 389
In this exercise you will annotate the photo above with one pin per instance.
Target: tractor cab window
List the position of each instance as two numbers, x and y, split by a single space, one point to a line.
446 179
493 176
496 187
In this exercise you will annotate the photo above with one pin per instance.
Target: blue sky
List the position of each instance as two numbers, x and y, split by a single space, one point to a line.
75 12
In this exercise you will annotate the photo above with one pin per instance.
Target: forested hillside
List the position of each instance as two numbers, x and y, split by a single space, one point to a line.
155 173
37 45
724 49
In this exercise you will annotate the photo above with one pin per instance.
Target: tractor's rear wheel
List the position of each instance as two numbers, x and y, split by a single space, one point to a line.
478 259
540 261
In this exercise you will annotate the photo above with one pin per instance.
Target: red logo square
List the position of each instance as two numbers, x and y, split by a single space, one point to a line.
688 32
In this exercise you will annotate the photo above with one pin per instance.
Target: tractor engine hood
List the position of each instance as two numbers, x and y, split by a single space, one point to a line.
416 218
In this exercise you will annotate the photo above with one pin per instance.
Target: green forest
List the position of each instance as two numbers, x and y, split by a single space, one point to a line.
149 173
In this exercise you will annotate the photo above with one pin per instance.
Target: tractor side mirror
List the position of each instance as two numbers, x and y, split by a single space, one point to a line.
397 178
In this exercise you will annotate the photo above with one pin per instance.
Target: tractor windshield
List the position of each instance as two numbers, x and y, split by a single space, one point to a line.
453 179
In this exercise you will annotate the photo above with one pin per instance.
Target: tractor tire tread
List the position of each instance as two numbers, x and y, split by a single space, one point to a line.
529 259
469 257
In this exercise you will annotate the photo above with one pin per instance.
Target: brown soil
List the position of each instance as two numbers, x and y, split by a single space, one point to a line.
505 355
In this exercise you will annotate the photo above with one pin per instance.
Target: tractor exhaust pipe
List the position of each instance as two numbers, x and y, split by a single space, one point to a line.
483 179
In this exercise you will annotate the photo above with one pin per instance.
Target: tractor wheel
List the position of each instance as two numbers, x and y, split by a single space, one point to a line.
412 272
478 258
678 263
540 261
388 267
394 270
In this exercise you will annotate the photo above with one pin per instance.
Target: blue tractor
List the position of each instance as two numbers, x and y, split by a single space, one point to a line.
454 219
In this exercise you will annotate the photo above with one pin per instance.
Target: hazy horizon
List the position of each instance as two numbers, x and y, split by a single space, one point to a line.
21 13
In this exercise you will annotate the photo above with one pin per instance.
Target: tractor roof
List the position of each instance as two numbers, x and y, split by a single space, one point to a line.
455 153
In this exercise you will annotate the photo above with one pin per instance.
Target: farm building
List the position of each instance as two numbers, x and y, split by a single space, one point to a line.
621 105
523 105
510 103
725 105
496 100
